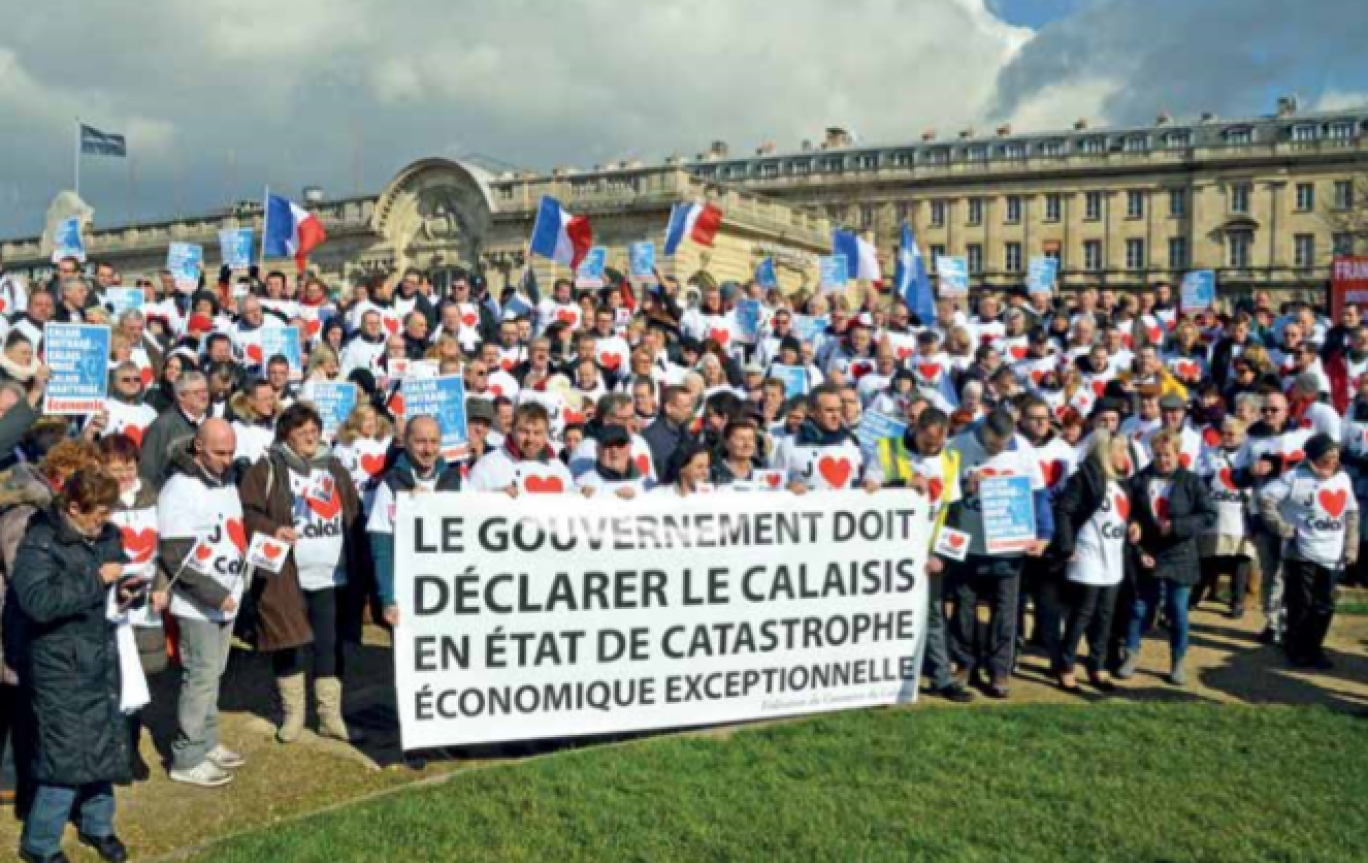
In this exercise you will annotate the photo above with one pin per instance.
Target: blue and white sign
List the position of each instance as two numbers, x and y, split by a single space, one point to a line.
590 272
796 380
235 246
643 263
335 400
953 274
516 307
1199 290
283 341
1042 275
443 398
835 272
876 427
766 276
121 300
186 263
807 327
78 355
748 317
67 242
1009 524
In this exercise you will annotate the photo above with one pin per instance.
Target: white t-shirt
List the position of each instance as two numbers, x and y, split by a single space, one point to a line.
497 471
318 522
1315 507
1217 468
189 509
821 468
1100 547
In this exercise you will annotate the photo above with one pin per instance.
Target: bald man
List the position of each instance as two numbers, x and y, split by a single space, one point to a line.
202 543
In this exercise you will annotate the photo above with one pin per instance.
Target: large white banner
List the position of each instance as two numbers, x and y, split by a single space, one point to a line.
555 616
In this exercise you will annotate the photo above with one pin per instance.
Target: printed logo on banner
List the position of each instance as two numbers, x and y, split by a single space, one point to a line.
267 553
1042 275
645 651
1009 523
1348 283
186 263
643 262
235 247
78 356
443 398
121 300
1198 290
334 400
67 242
590 272
283 341
952 272
835 272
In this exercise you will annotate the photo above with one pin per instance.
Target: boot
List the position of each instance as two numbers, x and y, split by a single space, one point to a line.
292 707
328 695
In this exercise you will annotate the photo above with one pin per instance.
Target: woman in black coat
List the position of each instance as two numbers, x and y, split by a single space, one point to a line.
69 662
1171 510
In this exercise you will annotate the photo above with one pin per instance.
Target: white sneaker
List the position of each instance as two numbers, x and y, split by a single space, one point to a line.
225 758
206 774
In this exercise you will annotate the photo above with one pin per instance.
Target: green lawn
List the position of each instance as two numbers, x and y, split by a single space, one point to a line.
1174 782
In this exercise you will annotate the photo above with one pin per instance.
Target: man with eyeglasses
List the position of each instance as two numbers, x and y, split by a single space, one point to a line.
781 327
124 412
1057 459
175 427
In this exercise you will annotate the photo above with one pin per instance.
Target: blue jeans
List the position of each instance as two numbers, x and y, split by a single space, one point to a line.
1149 593
51 810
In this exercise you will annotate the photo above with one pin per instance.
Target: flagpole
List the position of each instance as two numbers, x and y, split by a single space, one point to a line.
78 157
265 222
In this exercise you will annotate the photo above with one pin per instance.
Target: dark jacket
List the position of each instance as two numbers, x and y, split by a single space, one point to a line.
664 438
67 655
167 434
401 478
1190 512
1082 495
282 616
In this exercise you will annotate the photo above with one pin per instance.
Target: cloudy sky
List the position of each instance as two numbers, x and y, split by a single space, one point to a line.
220 97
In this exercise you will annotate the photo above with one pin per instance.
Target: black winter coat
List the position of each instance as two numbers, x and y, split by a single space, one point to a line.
1191 513
68 658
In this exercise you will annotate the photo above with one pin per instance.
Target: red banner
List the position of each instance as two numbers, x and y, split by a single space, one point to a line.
1348 283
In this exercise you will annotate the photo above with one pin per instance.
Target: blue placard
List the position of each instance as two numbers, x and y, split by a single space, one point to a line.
766 276
807 328
516 307
1042 275
443 398
643 262
1199 290
121 300
875 427
590 272
835 270
285 342
796 380
78 355
953 275
186 263
67 242
748 314
335 401
1009 524
235 246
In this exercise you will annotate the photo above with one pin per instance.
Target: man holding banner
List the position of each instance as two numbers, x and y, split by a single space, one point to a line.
824 455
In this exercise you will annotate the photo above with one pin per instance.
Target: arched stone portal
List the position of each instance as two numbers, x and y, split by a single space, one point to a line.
436 214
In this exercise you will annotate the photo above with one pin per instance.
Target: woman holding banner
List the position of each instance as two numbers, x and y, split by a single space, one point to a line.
302 496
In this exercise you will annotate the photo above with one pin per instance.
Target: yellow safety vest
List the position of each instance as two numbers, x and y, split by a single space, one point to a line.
897 467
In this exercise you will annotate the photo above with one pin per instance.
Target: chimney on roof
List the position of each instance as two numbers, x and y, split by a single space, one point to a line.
671 160
1288 105
837 137
966 134
807 146
718 149
1080 124
929 135
1004 130
1163 119
765 149
1207 117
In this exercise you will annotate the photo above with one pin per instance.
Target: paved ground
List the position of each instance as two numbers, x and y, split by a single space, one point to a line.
158 817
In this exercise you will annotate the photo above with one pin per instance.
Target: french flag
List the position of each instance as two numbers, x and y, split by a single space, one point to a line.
861 256
559 236
290 231
698 222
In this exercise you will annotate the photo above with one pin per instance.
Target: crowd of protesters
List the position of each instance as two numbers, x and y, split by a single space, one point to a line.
1168 454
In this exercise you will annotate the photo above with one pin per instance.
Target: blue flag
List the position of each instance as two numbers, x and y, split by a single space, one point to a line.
911 281
97 143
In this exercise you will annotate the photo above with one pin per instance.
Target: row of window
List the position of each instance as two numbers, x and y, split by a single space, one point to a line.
1139 142
1239 245
1238 197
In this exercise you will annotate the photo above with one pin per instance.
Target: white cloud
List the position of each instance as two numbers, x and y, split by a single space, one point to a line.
1337 100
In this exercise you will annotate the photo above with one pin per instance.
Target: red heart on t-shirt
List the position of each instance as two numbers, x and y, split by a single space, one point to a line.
903 353
328 509
1161 509
469 319
1333 502
955 540
1185 459
372 464
1099 387
1053 472
1188 370
720 336
543 484
312 327
1211 436
134 434
1018 352
238 534
935 487
507 365
1227 478
610 361
391 325
139 544
1122 504
1037 375
836 471
643 462
859 370
1294 457
573 418
146 375
254 353
203 552
928 371
396 404
566 316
